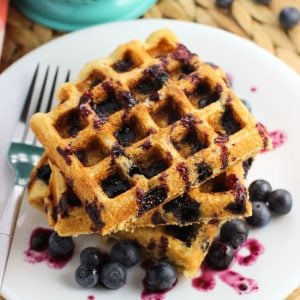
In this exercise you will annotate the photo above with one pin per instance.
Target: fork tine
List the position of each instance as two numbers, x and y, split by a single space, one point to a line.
38 107
25 110
68 76
52 91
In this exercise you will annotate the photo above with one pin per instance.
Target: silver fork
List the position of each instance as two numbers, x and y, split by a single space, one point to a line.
24 152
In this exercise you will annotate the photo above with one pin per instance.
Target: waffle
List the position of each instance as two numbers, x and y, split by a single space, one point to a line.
68 218
185 246
152 121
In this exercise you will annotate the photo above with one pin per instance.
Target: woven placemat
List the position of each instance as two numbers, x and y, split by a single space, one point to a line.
245 18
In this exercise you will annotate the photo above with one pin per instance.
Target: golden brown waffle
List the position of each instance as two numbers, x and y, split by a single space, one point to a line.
184 246
141 127
67 216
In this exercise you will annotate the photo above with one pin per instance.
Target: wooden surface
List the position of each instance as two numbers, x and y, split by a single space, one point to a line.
245 18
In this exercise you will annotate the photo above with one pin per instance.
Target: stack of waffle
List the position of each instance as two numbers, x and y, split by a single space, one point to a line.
149 144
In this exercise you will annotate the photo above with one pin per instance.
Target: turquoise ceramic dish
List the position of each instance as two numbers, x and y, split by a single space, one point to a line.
68 15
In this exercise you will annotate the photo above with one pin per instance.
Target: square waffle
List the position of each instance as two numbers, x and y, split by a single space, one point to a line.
185 246
67 216
142 127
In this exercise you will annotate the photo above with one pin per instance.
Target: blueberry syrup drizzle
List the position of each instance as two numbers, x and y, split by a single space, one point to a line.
253 89
91 297
148 294
206 281
33 256
278 138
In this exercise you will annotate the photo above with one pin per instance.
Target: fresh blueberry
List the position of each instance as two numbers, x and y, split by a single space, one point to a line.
234 232
261 215
223 3
280 201
264 2
247 104
87 276
91 256
160 276
39 241
113 275
259 190
60 246
126 253
289 17
220 255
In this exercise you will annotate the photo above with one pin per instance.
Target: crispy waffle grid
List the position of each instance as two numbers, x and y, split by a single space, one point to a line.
162 124
67 216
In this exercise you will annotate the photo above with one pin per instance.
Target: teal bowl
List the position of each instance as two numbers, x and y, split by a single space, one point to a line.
68 15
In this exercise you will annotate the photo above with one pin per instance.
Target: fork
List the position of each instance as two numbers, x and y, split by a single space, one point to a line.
24 152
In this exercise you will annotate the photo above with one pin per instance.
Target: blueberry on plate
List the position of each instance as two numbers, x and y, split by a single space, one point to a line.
91 256
280 201
60 246
113 275
220 255
289 17
259 190
234 232
261 215
223 3
87 276
264 2
160 276
125 252
247 104
39 241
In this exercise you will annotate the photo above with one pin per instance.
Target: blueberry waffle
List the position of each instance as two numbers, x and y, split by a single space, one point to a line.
184 246
66 215
144 126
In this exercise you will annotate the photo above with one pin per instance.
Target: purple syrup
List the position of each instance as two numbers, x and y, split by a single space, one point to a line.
33 256
91 297
278 137
206 281
255 250
253 89
151 295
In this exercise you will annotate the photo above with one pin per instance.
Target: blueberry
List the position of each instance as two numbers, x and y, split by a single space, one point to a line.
223 3
60 246
160 276
91 256
86 276
289 17
126 253
113 275
39 241
264 2
247 104
259 190
220 255
261 215
280 201
44 173
234 232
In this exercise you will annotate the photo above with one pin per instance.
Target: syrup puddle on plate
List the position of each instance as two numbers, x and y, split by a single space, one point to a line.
206 281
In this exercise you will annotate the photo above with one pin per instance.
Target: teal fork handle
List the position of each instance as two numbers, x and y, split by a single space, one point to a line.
22 158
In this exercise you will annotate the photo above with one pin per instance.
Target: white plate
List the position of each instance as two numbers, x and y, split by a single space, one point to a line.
276 103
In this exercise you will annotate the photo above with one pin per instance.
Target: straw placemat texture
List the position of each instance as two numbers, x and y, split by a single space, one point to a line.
245 18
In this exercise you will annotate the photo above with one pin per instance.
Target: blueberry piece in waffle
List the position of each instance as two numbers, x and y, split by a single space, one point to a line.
172 95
